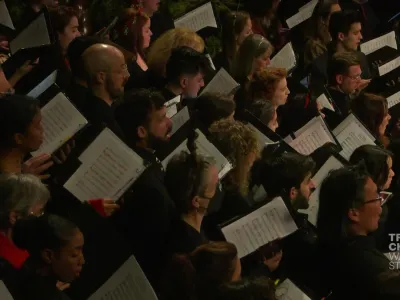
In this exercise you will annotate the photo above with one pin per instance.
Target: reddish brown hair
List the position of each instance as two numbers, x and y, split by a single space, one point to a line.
61 16
264 83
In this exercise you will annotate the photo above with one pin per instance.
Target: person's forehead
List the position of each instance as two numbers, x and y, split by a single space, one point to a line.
356 70
370 187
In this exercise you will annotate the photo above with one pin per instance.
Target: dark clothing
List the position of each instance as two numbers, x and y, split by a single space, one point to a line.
146 215
342 108
319 73
161 22
167 94
221 61
78 94
138 77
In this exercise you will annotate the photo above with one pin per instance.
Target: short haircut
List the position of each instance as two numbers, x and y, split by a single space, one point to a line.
61 16
371 110
135 111
257 288
341 22
213 107
187 176
340 63
263 110
16 114
185 61
286 172
264 83
19 193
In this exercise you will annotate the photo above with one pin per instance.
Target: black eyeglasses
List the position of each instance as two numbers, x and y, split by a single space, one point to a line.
378 198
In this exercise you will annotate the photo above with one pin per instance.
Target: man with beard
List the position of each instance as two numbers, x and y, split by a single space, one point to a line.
107 75
146 214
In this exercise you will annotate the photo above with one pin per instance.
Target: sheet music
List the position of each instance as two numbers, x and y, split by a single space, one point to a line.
177 150
179 119
287 290
324 102
264 225
127 283
393 99
312 211
262 138
60 121
312 3
43 86
211 61
346 122
108 168
172 107
285 58
5 17
388 39
34 35
198 19
4 293
222 83
390 66
314 135
288 139
300 17
352 137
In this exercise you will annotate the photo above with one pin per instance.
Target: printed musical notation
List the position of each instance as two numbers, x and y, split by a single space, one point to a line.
198 19
371 46
179 119
287 290
222 83
285 58
390 66
393 99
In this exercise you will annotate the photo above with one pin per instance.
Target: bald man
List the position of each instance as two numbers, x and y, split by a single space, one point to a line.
107 75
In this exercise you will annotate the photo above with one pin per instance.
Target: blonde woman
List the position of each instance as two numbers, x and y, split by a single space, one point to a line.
160 50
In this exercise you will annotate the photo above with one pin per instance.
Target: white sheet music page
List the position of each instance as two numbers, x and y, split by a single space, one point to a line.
4 293
108 169
34 35
388 39
285 58
171 106
312 3
198 19
127 283
287 290
43 86
390 66
179 119
222 83
263 140
5 17
393 99
211 61
177 150
264 225
60 121
324 102
314 136
312 211
206 148
300 17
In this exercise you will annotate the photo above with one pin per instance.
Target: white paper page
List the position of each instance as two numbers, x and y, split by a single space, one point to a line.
4 293
393 99
198 19
211 61
34 35
390 66
206 148
287 290
179 119
346 122
352 137
324 102
288 139
222 83
300 17
171 105
312 3
60 121
312 211
388 39
127 283
108 168
177 150
43 86
5 17
313 122
262 138
264 225
285 58
312 138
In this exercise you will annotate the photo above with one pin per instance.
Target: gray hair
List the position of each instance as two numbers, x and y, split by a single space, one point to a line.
263 110
252 47
19 193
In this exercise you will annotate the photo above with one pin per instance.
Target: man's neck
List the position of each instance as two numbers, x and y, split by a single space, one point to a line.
176 90
340 47
101 93
144 145
194 220
355 229
11 161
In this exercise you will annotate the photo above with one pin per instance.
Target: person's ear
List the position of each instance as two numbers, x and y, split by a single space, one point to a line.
19 139
339 78
47 256
12 218
142 132
354 215
195 202
293 193
101 77
183 81
341 36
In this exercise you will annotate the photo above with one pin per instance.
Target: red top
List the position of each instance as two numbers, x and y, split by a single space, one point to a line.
12 253
98 205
